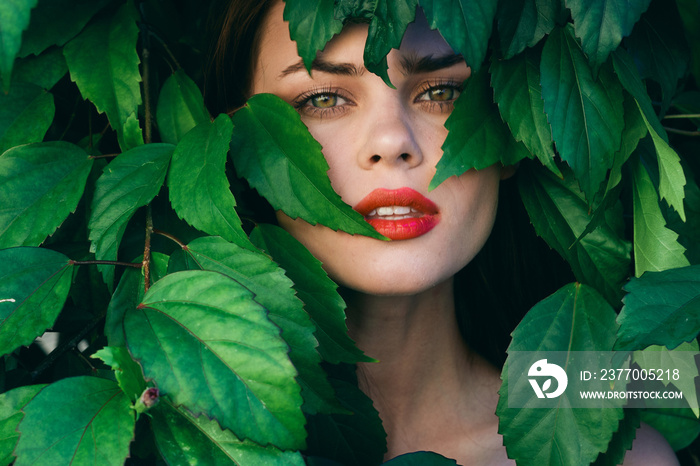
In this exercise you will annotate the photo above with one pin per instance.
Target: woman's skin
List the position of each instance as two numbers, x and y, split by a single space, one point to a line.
431 391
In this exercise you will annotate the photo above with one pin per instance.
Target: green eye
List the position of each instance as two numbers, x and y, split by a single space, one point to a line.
441 94
324 100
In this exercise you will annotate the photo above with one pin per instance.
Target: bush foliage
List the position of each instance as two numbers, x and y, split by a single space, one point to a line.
187 335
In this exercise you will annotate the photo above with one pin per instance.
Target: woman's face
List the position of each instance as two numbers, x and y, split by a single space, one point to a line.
382 146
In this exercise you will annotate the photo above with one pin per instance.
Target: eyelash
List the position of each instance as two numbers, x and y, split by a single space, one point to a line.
300 103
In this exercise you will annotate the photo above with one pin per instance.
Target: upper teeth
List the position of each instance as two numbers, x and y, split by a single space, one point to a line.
391 210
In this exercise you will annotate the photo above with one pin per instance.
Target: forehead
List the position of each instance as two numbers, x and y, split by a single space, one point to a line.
277 50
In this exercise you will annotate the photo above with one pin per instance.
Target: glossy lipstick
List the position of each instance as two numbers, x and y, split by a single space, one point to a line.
399 213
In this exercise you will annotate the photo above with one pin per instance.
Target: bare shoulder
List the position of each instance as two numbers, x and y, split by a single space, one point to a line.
650 448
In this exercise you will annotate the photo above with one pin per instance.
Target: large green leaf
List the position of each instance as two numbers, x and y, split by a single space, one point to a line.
659 48
678 425
560 215
517 90
180 107
385 32
477 136
467 26
104 64
14 19
11 404
34 284
661 308
26 113
586 113
575 318
55 22
91 423
130 181
601 24
44 70
187 440
40 184
523 23
356 439
311 25
211 347
656 247
199 190
317 291
275 152
681 358
274 291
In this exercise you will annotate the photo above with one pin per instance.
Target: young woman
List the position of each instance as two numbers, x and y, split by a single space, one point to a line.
432 390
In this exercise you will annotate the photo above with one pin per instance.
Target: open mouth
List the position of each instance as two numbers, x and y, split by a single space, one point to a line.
399 214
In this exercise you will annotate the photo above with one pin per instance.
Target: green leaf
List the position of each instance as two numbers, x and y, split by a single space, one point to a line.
199 190
275 152
44 70
130 181
40 184
127 372
14 19
55 22
420 458
682 358
180 107
184 439
104 64
317 291
274 291
356 439
560 214
690 16
656 247
210 347
622 439
477 136
601 24
523 23
11 404
92 423
128 295
311 25
661 308
386 29
575 318
34 284
26 113
467 26
517 91
586 113
680 427
672 179
659 48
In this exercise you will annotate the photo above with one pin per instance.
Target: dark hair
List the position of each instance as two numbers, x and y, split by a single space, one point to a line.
514 269
233 48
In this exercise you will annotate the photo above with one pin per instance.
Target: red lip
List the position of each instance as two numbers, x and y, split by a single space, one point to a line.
422 219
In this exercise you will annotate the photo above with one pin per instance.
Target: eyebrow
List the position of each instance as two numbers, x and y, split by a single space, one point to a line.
411 64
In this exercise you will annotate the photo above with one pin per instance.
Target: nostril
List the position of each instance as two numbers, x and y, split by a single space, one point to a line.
375 158
405 157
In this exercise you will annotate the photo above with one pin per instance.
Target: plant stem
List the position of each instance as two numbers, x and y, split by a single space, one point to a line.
171 237
682 132
103 156
136 265
147 250
682 115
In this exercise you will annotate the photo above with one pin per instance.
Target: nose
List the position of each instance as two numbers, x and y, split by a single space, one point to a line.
390 138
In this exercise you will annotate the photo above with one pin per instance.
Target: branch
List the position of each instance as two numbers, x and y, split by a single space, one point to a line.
682 115
171 237
682 132
125 264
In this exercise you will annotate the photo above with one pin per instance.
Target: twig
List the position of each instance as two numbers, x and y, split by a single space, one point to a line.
682 115
171 237
682 132
103 156
147 249
125 264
